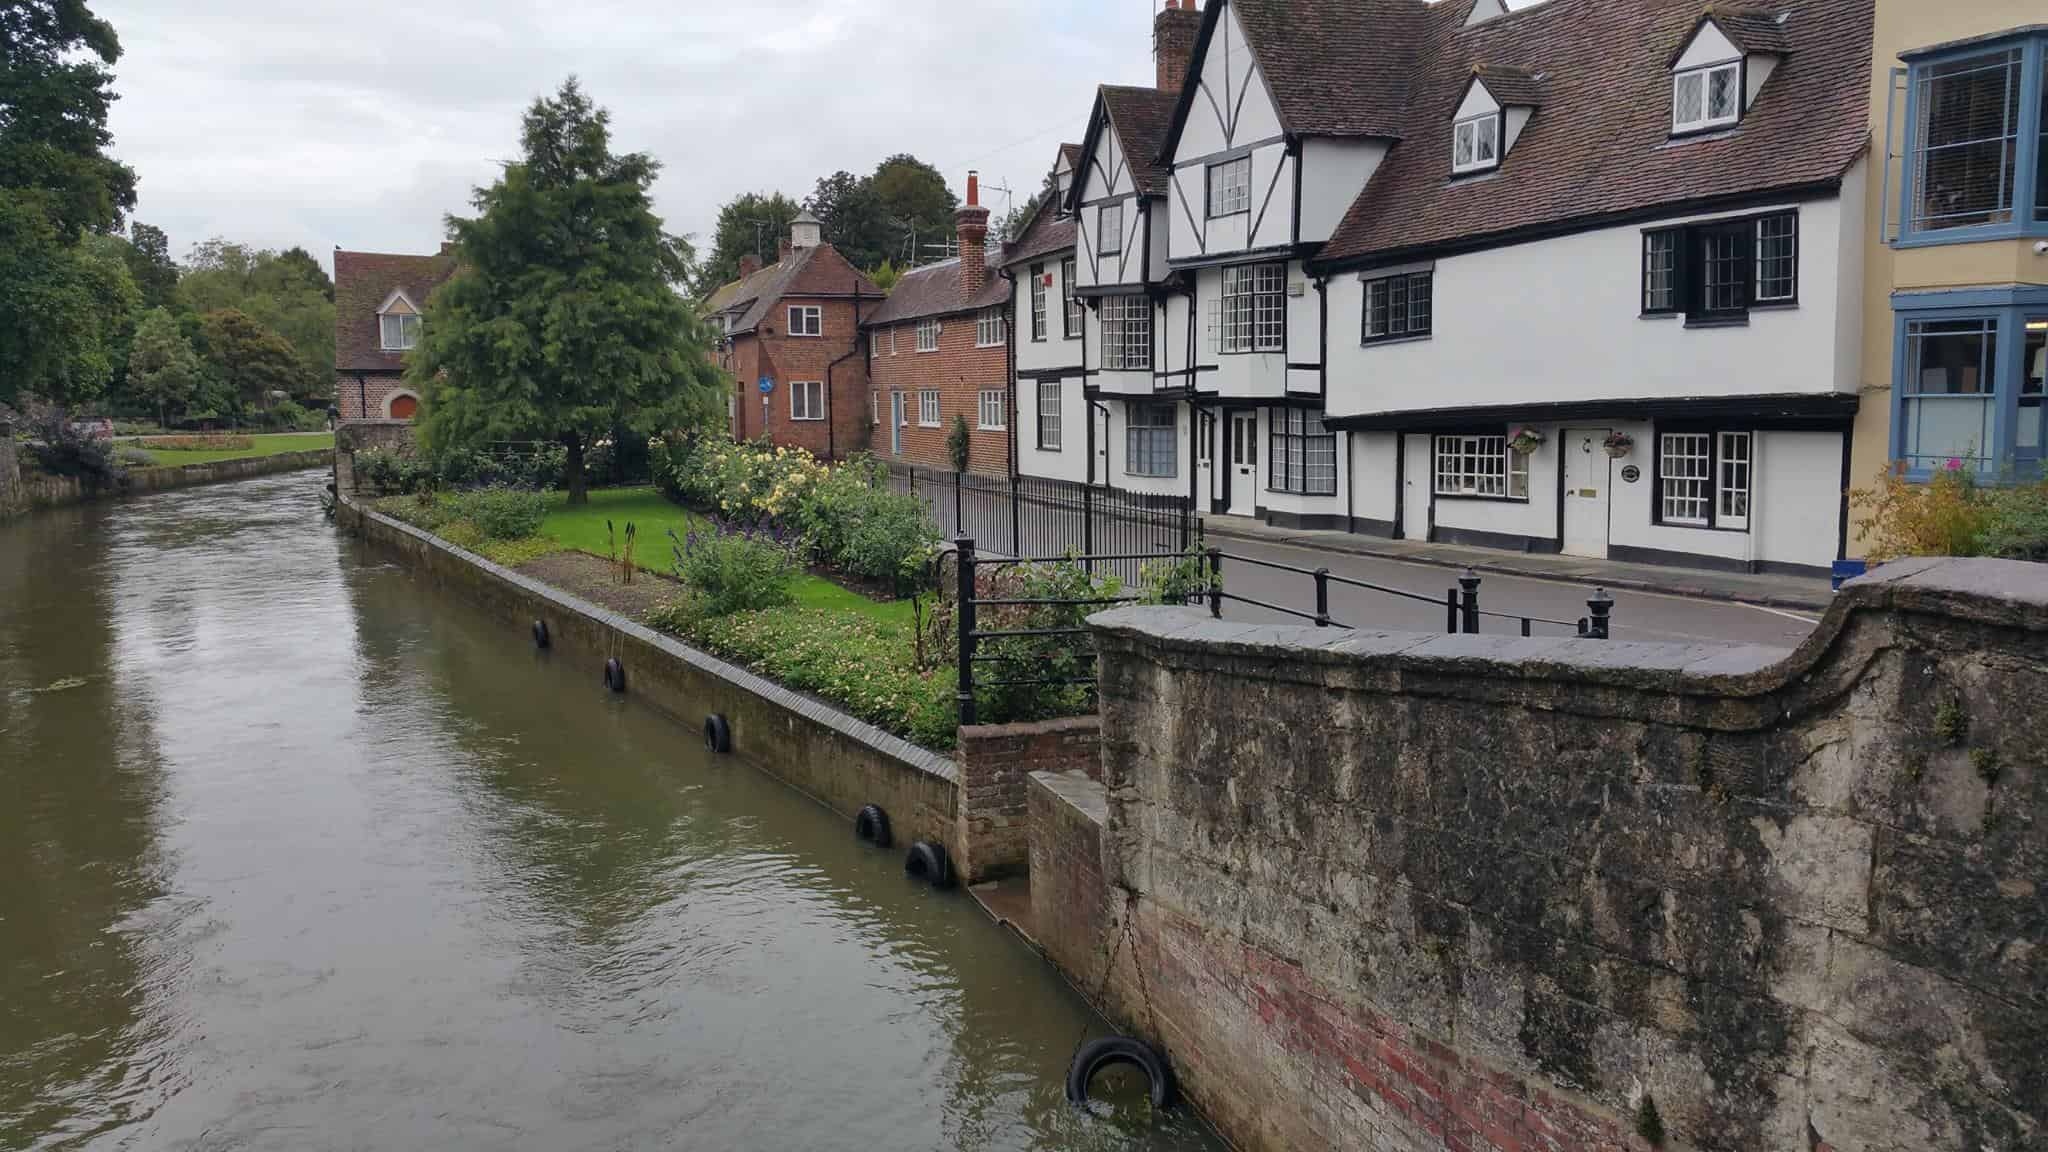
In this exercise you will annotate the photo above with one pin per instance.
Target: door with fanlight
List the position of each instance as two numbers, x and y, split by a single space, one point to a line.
1244 463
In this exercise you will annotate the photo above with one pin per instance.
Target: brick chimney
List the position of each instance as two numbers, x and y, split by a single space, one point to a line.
783 250
749 264
971 223
1173 42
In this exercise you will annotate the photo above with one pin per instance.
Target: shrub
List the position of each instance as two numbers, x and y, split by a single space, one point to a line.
1041 659
129 456
2017 527
730 569
536 466
1945 517
502 513
957 443
198 443
383 470
1185 579
63 449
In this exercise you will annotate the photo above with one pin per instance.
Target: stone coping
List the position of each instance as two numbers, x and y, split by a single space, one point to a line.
2003 593
913 756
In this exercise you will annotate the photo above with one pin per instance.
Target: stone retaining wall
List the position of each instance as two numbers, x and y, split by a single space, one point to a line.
353 436
35 490
842 762
995 762
1403 892
12 499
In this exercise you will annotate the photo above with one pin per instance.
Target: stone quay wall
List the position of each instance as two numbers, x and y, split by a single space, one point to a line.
22 490
353 436
842 762
996 762
1403 892
13 499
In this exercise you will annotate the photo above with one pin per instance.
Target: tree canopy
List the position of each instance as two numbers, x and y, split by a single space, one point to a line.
162 368
250 359
745 221
563 321
287 292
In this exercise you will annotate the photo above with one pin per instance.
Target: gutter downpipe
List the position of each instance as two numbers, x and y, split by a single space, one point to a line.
1010 364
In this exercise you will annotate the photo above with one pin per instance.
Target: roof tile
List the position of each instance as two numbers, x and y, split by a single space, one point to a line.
362 282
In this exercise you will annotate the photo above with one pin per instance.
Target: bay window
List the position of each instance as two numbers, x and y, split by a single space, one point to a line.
1976 141
1254 308
1126 333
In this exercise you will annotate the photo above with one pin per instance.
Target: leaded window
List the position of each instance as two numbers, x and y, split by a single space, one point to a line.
1230 187
1397 307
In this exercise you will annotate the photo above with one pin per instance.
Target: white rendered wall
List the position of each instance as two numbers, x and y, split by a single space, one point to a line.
1071 461
1333 172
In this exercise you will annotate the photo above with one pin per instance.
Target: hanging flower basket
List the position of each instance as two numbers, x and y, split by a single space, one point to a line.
1525 440
1619 444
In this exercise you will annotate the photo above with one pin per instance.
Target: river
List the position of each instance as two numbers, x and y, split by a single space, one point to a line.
298 852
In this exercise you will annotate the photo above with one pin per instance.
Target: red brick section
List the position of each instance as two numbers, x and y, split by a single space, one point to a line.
1173 42
771 351
1069 919
996 760
361 395
960 371
363 371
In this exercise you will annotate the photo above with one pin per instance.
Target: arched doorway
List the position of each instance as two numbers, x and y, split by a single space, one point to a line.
404 406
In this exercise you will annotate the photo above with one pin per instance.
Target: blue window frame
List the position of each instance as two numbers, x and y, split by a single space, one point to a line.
1976 142
1969 379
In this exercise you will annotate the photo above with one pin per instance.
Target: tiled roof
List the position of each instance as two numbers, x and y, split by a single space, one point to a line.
1336 67
362 282
1753 29
1071 153
1601 143
1050 233
1141 117
934 290
819 271
1517 86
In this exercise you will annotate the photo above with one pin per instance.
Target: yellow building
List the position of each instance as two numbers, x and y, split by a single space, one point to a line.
1956 280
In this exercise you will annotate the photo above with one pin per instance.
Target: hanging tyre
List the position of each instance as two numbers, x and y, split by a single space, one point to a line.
872 825
927 861
615 675
1104 1051
540 634
717 735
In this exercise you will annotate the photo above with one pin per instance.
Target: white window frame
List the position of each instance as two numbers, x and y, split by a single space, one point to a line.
1073 305
1475 143
874 407
1127 333
1038 314
384 320
993 417
1734 474
1789 257
1229 184
928 334
1704 76
928 408
988 328
1149 434
892 339
1480 466
806 320
806 400
1302 453
1107 215
1051 431
1685 479
1254 309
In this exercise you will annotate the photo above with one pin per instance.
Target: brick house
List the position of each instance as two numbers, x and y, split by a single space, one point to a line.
795 326
939 348
379 301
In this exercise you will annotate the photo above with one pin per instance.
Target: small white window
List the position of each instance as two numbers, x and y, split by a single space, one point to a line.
874 407
928 335
992 409
806 320
1073 302
1480 466
988 328
1731 493
806 400
892 340
1686 477
1110 223
1049 429
1475 143
1706 97
928 408
401 332
1230 187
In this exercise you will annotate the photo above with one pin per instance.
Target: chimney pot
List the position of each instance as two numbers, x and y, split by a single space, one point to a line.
970 224
1173 43
973 188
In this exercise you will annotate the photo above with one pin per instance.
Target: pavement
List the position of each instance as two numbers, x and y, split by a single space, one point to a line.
1801 593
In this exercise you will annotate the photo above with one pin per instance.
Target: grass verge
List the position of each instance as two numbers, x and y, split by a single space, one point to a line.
262 445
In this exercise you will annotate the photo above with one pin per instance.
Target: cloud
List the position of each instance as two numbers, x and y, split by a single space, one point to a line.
362 124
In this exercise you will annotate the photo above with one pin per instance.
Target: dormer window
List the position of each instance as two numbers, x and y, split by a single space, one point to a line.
1703 98
398 324
1475 143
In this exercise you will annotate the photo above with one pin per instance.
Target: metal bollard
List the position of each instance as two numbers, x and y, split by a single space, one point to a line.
1469 605
1322 597
1597 625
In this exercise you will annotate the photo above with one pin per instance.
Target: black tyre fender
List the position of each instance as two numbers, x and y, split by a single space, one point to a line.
717 734
615 675
540 634
1104 1051
927 861
872 825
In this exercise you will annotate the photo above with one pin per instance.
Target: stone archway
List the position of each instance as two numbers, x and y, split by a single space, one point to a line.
401 406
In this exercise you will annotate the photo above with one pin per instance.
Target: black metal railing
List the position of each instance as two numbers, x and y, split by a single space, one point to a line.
1461 602
1040 516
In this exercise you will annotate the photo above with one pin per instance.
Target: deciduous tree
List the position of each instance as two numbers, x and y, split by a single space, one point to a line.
163 371
150 263
250 359
563 322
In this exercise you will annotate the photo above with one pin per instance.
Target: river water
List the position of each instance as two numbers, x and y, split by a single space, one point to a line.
297 852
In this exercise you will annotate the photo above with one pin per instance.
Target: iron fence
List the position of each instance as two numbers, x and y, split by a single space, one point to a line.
1462 613
1039 516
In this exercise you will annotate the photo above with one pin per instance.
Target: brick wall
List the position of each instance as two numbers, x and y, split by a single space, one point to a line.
1458 892
1068 915
364 400
791 358
995 760
960 370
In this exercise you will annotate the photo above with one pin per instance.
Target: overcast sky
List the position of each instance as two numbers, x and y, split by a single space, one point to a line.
361 124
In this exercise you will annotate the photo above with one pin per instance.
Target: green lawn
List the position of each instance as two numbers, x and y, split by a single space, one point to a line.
653 515
265 445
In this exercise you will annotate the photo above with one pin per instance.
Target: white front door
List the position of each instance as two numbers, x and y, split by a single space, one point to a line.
1587 469
1244 463
1416 462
